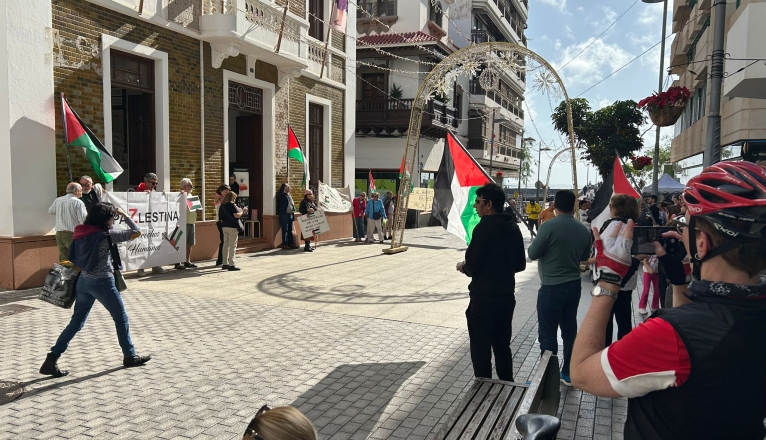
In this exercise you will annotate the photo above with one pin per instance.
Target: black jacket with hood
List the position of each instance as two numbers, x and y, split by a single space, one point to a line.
495 255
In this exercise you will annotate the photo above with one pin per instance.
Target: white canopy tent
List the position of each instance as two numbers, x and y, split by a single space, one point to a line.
666 184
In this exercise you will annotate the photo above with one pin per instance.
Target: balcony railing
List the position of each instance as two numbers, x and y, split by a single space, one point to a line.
252 27
388 115
482 37
475 89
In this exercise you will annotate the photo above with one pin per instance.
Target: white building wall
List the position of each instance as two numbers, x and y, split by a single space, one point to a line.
27 118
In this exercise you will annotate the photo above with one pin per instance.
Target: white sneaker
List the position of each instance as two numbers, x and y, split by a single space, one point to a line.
158 270
642 311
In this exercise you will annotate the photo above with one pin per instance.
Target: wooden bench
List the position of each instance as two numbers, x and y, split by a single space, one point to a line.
490 407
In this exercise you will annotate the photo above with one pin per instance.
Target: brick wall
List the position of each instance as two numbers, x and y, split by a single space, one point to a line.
214 142
77 72
299 87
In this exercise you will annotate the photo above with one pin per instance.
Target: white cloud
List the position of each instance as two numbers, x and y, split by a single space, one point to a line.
595 63
600 103
561 5
568 32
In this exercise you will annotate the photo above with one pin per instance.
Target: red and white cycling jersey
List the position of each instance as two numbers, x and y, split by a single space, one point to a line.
651 357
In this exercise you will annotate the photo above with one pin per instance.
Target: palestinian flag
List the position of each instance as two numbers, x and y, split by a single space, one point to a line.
372 183
295 151
457 180
78 134
193 203
615 183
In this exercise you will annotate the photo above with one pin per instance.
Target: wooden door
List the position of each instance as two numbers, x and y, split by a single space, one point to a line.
140 128
316 17
373 86
316 144
250 155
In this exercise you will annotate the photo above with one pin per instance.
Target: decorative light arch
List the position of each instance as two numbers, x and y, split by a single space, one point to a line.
487 61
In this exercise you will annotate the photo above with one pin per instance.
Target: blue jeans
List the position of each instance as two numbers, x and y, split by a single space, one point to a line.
89 290
557 307
359 231
286 223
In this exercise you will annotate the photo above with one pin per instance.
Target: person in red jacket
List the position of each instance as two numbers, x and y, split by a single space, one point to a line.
697 370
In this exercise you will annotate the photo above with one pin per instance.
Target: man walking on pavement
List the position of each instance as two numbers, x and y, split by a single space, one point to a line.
69 211
533 211
360 206
561 244
376 213
495 254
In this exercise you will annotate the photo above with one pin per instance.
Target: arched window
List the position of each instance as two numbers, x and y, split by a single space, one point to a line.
436 12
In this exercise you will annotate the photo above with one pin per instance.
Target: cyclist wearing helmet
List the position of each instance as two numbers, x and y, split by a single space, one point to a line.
696 371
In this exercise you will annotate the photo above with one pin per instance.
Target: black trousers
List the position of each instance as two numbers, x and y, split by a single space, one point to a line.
663 288
219 260
489 330
622 314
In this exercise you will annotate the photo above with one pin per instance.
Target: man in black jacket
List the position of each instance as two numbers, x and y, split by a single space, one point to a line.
495 254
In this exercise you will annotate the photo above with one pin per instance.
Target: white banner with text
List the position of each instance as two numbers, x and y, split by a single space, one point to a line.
313 224
162 220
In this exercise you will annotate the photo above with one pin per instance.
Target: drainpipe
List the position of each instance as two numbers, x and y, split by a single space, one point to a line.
202 119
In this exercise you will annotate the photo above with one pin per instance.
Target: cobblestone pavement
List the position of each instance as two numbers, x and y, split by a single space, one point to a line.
219 357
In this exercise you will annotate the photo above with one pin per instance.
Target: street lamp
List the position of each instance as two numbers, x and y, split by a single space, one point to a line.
656 171
539 157
523 155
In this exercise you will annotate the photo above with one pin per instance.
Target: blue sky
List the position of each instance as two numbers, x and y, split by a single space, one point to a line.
558 30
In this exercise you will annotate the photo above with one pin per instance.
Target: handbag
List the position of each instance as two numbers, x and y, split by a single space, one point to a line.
119 280
59 286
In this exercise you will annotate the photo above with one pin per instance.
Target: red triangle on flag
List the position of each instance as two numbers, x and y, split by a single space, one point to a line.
72 126
468 171
621 183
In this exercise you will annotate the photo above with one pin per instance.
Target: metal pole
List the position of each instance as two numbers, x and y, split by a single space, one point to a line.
539 157
656 171
713 136
492 143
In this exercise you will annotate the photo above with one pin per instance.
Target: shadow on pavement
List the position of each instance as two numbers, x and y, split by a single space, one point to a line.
53 386
354 396
19 295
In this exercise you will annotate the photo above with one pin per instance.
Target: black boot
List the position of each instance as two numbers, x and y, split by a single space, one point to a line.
307 248
135 361
50 368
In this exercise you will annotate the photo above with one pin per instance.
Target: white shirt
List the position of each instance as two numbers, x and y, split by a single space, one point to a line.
69 211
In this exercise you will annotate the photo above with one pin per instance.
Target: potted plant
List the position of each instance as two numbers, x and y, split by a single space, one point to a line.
665 108
641 162
396 91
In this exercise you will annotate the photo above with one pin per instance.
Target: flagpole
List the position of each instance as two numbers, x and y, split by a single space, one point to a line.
327 41
66 144
287 178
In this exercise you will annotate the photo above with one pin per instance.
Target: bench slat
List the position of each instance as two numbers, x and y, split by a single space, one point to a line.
481 414
508 414
538 384
462 422
494 413
457 412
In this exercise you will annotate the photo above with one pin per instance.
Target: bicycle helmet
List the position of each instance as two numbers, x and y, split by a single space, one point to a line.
732 196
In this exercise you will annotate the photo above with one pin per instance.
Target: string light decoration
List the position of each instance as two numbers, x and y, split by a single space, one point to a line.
493 57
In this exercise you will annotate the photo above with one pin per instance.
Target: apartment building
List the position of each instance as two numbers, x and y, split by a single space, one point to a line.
184 88
743 109
398 41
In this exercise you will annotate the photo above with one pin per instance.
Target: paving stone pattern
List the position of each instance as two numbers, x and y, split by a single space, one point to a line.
217 360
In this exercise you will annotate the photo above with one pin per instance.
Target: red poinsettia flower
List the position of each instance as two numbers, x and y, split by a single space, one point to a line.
674 96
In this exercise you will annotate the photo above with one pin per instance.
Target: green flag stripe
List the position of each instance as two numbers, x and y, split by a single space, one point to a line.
468 217
296 154
93 155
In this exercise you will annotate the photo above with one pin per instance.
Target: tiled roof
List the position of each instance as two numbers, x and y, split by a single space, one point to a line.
396 39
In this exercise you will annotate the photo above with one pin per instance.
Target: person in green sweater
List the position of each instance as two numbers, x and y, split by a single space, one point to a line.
561 244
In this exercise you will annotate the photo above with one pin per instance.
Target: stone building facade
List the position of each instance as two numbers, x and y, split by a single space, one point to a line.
182 88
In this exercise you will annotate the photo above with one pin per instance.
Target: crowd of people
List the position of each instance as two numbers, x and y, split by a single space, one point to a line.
690 371
683 370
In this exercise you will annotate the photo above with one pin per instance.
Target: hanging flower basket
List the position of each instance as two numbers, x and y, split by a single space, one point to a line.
665 108
641 162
